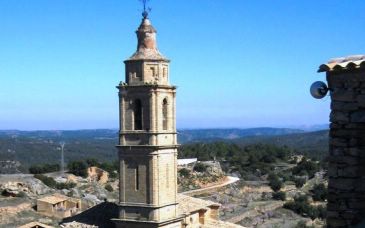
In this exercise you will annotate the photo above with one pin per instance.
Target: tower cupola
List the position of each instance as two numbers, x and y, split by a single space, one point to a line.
147 66
147 44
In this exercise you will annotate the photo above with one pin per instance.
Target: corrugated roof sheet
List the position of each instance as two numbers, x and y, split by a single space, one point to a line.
343 63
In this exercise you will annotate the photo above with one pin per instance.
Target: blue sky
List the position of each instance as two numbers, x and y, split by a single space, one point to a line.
237 63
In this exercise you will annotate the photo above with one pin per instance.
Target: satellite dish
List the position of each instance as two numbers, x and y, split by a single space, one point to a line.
318 89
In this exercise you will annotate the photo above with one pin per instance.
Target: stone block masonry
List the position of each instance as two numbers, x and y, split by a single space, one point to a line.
346 188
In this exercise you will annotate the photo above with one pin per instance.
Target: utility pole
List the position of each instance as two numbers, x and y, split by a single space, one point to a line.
62 144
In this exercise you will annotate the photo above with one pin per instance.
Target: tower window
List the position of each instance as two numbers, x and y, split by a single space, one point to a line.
137 177
164 114
138 115
153 72
167 176
164 72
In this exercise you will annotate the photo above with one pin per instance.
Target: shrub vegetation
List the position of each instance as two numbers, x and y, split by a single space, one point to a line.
279 195
109 188
306 167
301 206
50 182
199 167
184 172
274 182
44 168
78 168
319 192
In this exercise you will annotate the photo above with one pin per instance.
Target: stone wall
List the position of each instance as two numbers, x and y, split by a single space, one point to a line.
346 199
98 175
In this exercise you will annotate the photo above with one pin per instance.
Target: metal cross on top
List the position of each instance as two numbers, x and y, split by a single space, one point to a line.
145 10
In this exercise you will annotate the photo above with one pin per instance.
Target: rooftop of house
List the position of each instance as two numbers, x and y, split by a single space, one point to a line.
54 199
218 223
188 204
343 63
35 224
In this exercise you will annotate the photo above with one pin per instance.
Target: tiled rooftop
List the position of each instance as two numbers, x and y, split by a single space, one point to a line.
220 224
147 54
343 63
189 204
35 224
53 199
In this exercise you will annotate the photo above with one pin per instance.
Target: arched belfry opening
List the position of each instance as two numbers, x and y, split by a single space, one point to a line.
164 114
137 112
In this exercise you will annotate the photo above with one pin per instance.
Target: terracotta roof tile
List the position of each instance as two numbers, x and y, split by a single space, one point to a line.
343 63
53 199
188 204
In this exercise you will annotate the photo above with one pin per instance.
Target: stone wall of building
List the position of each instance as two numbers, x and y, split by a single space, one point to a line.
346 199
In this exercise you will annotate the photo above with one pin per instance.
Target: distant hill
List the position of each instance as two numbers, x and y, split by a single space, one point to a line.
312 143
197 135
61 134
34 147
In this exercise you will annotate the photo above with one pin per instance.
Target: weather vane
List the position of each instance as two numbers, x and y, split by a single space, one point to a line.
145 10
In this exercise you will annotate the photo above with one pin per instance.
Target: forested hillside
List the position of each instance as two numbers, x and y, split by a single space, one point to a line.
314 144
196 135
35 147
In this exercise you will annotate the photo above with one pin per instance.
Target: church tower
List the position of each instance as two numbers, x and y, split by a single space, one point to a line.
147 147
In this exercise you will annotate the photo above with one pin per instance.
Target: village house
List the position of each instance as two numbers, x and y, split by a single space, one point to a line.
58 206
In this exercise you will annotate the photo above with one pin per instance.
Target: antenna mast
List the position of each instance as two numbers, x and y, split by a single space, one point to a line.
62 144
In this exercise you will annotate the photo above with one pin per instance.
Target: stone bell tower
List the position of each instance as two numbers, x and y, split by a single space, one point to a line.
147 138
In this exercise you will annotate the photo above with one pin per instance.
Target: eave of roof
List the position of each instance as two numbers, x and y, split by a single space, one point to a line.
343 63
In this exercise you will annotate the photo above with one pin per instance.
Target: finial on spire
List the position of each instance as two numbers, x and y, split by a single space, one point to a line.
145 10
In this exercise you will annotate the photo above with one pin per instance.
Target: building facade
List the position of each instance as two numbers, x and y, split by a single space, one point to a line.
147 138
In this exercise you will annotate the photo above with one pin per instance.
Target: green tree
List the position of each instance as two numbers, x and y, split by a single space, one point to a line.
92 162
44 168
109 188
299 182
274 182
78 168
184 172
199 167
306 167
49 181
302 206
279 195
319 192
